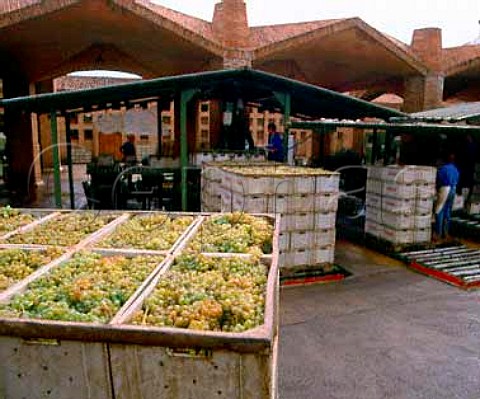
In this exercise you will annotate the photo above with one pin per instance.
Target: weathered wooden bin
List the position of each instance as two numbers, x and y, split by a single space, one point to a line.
43 358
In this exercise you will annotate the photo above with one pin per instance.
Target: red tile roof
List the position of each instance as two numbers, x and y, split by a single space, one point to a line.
7 6
458 56
196 25
265 35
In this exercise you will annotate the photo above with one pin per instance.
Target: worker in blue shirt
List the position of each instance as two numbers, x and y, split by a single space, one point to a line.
447 180
275 144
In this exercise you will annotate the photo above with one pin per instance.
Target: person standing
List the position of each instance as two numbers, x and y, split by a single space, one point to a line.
447 180
128 150
275 144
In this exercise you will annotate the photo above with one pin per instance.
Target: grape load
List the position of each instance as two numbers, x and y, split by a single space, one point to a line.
278 170
235 232
67 229
152 232
87 288
207 293
17 264
11 219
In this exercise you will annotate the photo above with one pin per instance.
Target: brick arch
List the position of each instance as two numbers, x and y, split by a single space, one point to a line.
281 48
43 35
464 66
100 56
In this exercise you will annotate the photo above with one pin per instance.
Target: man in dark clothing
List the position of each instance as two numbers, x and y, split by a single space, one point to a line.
447 180
128 150
275 144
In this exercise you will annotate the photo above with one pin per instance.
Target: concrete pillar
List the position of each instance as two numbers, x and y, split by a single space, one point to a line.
230 23
20 141
423 92
426 92
230 26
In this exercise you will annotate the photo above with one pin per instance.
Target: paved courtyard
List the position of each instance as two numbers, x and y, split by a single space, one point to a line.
385 332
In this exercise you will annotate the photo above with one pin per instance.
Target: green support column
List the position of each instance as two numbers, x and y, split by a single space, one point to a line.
388 147
285 101
374 146
159 128
56 161
69 161
185 97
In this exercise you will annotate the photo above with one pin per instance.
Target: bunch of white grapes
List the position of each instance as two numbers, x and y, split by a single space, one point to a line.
65 230
11 219
235 232
88 288
208 293
17 264
152 232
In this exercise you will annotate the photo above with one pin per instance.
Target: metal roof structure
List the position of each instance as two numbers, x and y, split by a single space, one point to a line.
466 112
400 125
251 85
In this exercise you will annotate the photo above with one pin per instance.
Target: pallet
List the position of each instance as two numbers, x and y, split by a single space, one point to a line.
456 265
313 275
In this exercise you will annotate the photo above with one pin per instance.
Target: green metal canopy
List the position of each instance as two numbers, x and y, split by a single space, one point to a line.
250 85
267 90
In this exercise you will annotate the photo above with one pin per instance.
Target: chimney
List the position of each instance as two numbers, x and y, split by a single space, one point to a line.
427 45
230 24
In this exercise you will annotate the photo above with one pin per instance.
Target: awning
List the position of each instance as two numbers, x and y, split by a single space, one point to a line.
251 85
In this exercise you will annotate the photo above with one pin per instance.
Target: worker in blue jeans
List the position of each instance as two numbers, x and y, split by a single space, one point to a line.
447 180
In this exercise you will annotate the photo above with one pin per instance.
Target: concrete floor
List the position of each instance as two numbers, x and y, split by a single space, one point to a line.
385 332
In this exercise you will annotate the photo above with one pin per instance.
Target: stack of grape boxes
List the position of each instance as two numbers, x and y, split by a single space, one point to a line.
306 199
399 203
211 180
113 358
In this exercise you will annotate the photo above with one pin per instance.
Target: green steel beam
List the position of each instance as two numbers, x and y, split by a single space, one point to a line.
285 100
71 186
374 146
56 161
185 97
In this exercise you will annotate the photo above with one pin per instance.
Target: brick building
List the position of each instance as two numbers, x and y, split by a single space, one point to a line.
42 40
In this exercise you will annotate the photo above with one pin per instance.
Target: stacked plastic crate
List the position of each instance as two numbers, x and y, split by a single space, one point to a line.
399 203
211 180
306 199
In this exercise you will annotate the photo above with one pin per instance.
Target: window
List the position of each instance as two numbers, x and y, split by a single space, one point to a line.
166 120
88 134
74 134
204 120
204 107
87 118
144 137
74 119
204 133
260 121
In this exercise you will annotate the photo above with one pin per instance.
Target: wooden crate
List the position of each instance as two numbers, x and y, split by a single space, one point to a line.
42 358
180 363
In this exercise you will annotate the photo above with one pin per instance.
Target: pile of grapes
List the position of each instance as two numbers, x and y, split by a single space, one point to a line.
67 229
205 293
11 219
17 264
234 233
152 232
87 288
279 170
